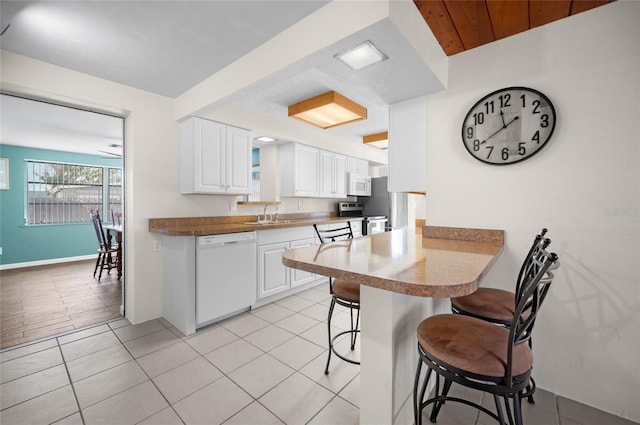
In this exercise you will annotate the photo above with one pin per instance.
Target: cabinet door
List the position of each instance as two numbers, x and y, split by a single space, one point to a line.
209 143
272 274
300 277
340 176
407 146
358 166
356 228
238 163
306 177
327 180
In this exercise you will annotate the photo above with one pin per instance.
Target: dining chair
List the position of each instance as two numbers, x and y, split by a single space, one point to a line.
116 217
479 355
107 255
344 293
498 305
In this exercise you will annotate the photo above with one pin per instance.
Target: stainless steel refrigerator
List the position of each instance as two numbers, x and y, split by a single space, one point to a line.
393 205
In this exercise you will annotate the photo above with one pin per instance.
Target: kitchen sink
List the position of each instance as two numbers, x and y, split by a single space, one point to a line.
267 222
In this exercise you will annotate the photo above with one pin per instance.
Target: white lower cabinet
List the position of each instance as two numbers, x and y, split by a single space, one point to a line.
356 228
300 277
274 278
272 274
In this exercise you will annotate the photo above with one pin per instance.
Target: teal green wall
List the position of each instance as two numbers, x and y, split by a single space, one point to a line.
21 243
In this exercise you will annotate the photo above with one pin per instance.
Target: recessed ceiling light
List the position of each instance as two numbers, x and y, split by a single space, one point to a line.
265 139
361 56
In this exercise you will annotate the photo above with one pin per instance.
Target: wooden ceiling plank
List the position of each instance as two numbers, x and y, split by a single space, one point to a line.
437 18
578 6
508 17
544 11
471 19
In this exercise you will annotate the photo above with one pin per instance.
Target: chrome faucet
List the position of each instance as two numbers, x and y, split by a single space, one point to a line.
264 213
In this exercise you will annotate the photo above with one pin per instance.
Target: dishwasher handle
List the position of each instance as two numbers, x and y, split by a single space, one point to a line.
226 239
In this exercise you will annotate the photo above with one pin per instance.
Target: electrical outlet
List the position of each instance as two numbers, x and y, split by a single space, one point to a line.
300 205
157 245
0 250
233 206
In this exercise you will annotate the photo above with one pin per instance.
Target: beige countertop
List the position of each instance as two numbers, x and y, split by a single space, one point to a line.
201 226
443 262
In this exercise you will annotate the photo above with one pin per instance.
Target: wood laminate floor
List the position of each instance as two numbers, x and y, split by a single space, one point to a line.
37 302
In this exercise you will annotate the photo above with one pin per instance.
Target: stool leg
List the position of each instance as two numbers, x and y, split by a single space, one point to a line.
331 307
496 398
435 409
354 335
416 402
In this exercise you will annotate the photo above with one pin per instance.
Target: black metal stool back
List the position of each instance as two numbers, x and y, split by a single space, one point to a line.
344 293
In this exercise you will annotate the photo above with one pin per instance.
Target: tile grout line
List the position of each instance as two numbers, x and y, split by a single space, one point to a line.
73 388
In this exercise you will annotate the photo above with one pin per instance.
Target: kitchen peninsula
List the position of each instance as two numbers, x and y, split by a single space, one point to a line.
400 272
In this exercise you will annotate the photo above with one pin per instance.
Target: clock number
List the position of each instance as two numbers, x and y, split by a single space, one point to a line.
489 108
524 100
478 118
536 107
505 100
469 132
521 148
544 120
490 151
536 137
476 145
505 154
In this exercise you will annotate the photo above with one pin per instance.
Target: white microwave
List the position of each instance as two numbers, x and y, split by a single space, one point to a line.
359 185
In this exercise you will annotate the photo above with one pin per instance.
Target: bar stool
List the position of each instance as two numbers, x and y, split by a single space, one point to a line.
344 293
498 305
480 355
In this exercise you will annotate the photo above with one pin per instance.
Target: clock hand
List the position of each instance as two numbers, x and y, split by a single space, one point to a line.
501 128
502 116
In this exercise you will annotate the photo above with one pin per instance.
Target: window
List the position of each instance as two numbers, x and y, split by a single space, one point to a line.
60 193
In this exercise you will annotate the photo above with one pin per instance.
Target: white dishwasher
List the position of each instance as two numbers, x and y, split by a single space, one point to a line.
225 275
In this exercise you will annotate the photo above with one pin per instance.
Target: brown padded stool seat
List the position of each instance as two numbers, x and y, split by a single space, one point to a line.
348 290
492 304
472 345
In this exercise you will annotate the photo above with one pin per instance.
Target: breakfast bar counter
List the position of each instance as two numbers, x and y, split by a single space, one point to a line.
400 274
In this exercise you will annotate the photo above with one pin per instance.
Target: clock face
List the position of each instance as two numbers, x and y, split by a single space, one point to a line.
508 125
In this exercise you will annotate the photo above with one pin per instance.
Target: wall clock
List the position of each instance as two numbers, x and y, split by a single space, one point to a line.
508 125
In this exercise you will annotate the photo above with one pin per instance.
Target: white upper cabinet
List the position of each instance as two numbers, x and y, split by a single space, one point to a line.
358 166
333 175
215 158
299 170
407 146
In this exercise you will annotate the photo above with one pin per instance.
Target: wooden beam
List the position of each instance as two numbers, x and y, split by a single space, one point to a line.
471 19
508 17
437 18
578 6
544 11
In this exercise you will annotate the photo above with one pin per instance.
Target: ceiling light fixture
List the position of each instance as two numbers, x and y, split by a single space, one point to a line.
361 56
265 139
378 140
328 110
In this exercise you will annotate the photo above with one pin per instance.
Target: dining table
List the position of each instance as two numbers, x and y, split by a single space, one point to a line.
115 231
404 278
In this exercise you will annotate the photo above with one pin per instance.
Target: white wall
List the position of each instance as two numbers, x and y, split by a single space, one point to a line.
584 186
151 168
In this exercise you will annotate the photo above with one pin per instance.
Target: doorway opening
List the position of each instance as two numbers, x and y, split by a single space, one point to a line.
63 163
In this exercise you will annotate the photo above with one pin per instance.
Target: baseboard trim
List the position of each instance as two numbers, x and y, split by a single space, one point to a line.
46 262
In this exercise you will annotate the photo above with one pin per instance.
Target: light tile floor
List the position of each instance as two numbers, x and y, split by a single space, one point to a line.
260 367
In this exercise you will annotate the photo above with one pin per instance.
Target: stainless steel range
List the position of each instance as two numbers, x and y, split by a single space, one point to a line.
370 225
